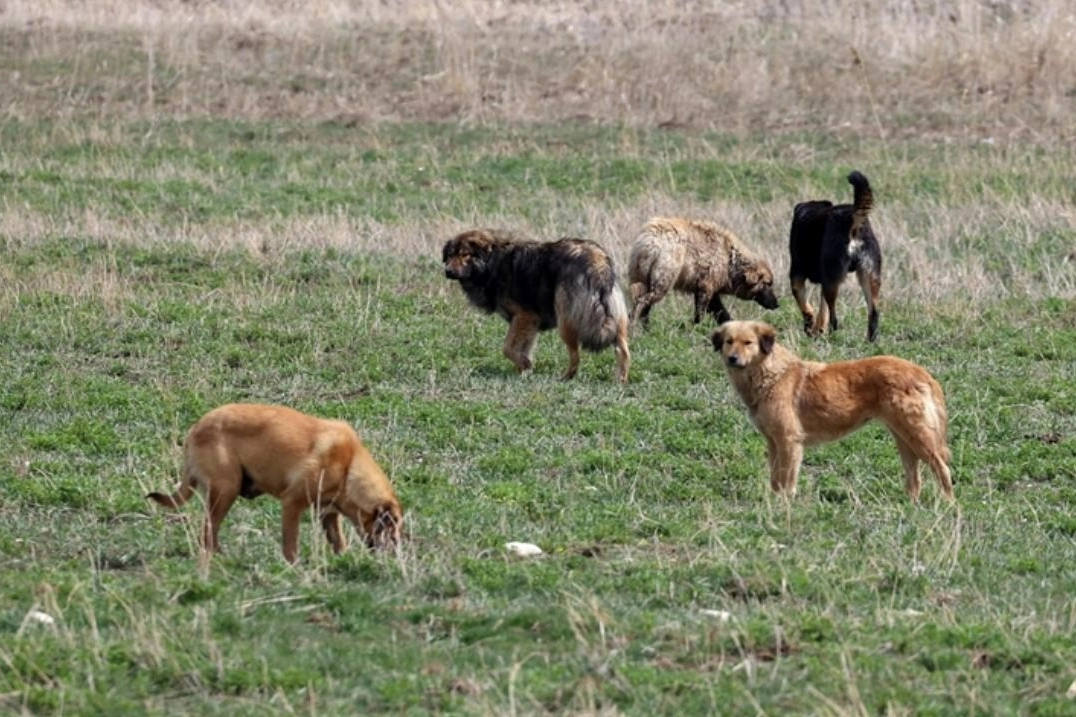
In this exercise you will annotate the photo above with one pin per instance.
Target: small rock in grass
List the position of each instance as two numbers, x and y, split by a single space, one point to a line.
42 618
523 550
719 615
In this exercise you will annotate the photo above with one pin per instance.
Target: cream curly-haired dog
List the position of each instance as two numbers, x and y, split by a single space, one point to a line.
697 258
796 403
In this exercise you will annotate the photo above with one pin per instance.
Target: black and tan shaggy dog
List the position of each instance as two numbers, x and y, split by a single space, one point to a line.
697 258
796 403
828 242
569 284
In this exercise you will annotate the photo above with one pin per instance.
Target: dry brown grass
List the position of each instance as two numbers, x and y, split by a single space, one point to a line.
997 67
990 70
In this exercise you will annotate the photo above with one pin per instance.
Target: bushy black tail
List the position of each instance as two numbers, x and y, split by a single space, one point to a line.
862 199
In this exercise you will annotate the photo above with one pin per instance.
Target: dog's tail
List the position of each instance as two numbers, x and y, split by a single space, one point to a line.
177 499
940 419
594 303
862 199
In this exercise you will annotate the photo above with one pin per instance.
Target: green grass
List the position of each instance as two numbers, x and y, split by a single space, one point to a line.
650 500
211 170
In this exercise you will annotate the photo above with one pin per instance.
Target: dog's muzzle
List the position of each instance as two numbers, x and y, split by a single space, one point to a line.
767 300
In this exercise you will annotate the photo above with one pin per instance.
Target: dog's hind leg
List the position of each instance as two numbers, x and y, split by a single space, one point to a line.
218 501
519 344
569 334
923 443
908 458
623 355
941 472
799 293
871 284
640 312
827 309
644 299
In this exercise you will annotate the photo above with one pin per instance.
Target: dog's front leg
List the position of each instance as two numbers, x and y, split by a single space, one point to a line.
570 336
771 458
702 304
519 344
290 516
827 309
785 458
799 292
717 308
330 523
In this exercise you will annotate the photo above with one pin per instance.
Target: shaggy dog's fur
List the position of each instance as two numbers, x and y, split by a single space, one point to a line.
825 244
697 258
251 449
796 403
569 284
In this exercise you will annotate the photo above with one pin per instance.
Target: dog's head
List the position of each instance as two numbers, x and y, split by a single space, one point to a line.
743 343
466 254
383 526
753 281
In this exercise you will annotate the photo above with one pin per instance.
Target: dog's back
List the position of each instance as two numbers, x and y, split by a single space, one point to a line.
262 445
805 239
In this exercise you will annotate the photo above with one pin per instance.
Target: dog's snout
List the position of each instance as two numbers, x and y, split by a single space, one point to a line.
733 359
767 299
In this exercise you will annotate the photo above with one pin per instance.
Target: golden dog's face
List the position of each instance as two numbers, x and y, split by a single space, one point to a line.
742 343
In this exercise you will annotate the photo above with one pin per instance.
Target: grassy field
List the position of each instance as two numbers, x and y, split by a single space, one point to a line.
159 259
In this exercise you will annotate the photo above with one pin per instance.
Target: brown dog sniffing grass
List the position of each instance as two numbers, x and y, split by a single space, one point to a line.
252 449
796 403
698 258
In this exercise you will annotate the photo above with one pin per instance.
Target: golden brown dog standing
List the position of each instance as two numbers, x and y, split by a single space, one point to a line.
696 258
249 449
796 403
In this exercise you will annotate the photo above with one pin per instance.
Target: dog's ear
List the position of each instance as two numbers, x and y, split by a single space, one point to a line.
767 337
717 338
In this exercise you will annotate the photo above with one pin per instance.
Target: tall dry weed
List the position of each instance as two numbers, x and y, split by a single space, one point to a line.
882 66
